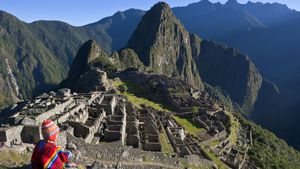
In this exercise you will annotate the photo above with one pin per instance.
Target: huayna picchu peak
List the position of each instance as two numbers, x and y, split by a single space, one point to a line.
166 47
138 90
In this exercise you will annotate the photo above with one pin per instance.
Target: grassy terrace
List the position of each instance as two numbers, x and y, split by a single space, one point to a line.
234 127
214 143
186 123
13 157
214 158
133 91
166 147
137 101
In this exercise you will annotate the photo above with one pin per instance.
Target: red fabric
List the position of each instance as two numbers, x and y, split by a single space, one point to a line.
48 155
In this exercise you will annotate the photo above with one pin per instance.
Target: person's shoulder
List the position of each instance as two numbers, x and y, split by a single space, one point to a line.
42 144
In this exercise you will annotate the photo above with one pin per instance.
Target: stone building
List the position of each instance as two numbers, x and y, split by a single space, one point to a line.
82 115
116 122
11 135
132 128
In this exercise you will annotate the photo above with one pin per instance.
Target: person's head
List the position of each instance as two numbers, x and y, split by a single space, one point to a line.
49 130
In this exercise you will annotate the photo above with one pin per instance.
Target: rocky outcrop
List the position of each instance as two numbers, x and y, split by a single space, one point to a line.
126 58
84 60
92 80
268 100
164 46
231 70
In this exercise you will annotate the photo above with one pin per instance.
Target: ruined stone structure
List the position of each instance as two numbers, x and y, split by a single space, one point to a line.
214 123
132 129
88 116
182 143
143 129
116 124
93 80
11 135
105 116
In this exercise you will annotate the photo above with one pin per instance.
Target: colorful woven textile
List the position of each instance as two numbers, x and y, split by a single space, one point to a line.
48 155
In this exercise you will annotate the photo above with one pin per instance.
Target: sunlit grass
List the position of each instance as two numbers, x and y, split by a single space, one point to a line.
137 101
166 148
234 127
14 157
214 143
188 126
214 158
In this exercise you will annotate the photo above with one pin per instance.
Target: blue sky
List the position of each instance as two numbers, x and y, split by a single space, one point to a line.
80 12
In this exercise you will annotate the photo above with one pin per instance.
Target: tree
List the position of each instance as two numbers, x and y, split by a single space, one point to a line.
123 88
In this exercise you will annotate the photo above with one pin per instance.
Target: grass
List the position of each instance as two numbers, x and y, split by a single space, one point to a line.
214 158
131 95
234 127
214 143
13 157
186 164
166 147
188 125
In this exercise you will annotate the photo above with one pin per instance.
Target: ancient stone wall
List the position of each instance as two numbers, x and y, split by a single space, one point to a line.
31 134
11 135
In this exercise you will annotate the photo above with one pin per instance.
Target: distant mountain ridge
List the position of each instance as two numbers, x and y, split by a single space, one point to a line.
51 45
170 50
47 49
217 64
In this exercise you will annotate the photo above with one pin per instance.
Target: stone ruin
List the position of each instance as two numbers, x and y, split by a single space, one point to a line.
104 116
214 123
143 129
93 80
82 115
92 117
183 144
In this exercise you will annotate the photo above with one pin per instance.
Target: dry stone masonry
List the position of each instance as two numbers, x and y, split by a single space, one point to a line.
105 126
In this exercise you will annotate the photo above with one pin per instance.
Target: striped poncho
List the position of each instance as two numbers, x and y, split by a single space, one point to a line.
48 155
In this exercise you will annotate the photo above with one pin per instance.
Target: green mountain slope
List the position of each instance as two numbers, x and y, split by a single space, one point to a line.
39 54
232 71
166 47
266 151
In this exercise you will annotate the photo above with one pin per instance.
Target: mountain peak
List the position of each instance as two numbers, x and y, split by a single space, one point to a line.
163 45
85 56
205 2
161 8
161 5
119 15
232 2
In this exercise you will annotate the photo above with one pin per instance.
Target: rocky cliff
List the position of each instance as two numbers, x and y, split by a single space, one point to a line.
268 99
126 58
231 70
164 46
167 48
170 50
84 60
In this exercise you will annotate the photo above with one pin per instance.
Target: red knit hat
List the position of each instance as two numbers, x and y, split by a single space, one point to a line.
49 130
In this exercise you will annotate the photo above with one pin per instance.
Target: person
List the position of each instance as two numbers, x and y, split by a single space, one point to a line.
46 154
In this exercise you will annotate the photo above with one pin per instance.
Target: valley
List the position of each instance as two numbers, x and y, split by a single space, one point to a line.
168 98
